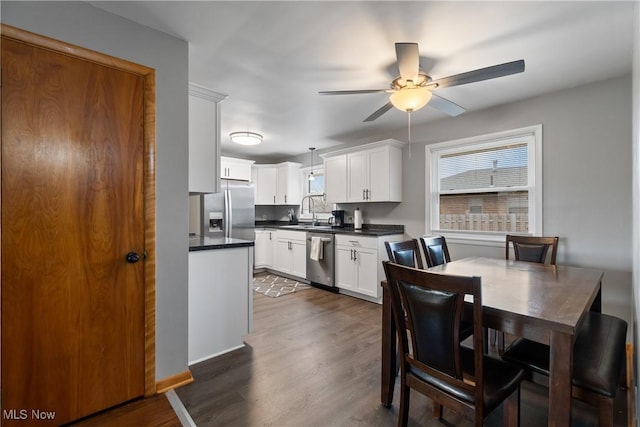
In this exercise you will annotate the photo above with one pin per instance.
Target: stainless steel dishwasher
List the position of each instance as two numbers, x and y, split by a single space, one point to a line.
322 272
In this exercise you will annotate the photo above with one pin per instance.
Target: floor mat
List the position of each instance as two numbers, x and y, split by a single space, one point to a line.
275 286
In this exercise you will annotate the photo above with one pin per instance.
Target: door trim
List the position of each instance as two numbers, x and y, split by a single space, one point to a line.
149 176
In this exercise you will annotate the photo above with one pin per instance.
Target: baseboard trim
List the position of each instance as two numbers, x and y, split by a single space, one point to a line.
220 353
174 381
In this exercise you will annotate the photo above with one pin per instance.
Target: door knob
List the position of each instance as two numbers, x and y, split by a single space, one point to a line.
132 257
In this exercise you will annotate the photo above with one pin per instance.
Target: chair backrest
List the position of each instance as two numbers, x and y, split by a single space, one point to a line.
434 304
435 250
406 253
532 248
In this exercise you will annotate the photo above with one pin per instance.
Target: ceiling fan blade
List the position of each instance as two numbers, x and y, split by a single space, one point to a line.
408 60
446 106
352 92
481 74
380 111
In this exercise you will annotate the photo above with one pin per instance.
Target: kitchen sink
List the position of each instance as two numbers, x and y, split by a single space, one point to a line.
308 227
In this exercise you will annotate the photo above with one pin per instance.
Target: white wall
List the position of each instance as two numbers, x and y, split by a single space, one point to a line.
84 25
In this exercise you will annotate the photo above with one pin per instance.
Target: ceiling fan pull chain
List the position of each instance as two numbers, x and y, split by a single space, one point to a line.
409 130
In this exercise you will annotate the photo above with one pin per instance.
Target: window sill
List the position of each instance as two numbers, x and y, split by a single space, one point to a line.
473 239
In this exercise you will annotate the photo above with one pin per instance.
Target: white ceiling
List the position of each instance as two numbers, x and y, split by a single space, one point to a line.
272 58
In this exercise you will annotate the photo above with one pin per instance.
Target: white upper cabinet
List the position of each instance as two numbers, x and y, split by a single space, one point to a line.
237 169
335 178
265 179
367 173
289 185
278 184
204 139
357 176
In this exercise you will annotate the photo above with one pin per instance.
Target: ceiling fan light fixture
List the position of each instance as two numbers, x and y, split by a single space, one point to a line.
410 98
246 138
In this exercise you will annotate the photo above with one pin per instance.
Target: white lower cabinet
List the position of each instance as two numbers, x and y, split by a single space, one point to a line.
264 249
359 265
220 301
291 253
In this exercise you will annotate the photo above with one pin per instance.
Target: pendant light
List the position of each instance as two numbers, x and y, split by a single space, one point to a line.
311 176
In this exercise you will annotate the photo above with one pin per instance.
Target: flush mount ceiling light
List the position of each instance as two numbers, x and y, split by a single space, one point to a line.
246 138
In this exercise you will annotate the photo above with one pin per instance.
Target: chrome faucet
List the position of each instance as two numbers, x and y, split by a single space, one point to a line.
312 207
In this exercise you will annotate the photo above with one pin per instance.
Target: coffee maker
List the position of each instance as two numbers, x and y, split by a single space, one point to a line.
338 219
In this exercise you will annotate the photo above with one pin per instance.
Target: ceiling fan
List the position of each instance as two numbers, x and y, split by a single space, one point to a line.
412 90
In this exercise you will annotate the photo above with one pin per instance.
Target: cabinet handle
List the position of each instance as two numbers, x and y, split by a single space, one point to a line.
269 235
368 196
363 194
355 255
351 254
285 199
274 200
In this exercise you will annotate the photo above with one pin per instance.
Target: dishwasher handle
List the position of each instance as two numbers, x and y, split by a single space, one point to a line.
323 239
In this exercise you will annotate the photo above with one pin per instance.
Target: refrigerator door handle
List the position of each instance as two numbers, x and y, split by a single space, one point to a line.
227 214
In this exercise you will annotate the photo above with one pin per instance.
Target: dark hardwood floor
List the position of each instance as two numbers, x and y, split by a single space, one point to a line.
312 360
155 411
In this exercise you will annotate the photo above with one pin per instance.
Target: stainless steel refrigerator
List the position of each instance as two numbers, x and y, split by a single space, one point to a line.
230 213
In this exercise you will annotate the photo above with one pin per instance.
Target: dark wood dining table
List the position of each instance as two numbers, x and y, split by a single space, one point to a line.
544 303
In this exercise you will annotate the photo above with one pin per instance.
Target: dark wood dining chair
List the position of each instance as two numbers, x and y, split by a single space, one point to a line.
598 360
435 250
530 249
406 253
433 362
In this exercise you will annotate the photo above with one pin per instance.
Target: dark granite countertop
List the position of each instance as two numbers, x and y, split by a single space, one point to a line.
367 229
200 243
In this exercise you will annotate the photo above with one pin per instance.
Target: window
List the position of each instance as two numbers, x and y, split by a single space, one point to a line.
314 188
484 187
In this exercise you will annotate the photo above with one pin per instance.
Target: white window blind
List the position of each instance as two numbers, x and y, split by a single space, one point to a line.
486 186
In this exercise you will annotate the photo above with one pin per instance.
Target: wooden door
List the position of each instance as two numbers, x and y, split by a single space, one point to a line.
73 206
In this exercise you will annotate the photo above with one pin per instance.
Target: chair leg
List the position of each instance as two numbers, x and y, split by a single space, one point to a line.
437 410
500 342
511 410
485 340
403 412
605 411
